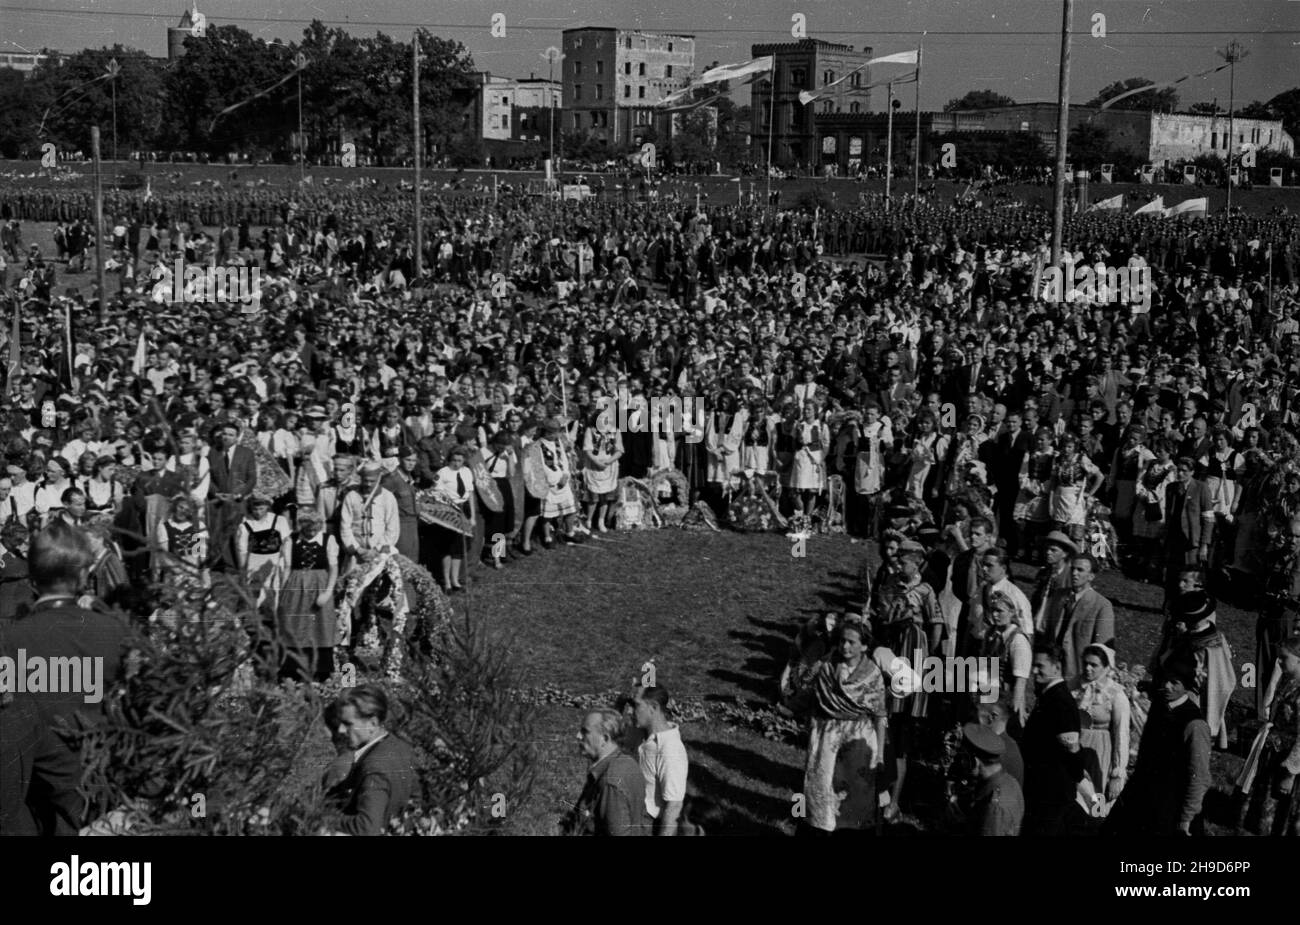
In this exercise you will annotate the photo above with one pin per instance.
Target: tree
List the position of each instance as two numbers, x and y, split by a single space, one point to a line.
1089 146
1165 99
978 99
1287 107
21 103
1205 109
77 94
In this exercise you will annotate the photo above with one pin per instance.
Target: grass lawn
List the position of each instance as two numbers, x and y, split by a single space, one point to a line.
717 613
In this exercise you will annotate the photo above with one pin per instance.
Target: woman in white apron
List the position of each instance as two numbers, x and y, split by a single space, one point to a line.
602 447
808 471
875 435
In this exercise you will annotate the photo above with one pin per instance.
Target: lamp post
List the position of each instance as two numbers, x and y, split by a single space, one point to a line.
300 62
113 70
1232 54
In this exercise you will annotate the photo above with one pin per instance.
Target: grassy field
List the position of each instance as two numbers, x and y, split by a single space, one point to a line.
716 613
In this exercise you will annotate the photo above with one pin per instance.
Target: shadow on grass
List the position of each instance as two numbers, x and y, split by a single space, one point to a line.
750 812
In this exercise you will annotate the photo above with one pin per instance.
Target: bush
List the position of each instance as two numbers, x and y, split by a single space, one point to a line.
201 738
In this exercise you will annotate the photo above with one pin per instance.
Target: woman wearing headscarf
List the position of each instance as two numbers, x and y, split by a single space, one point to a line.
846 741
1104 718
1272 806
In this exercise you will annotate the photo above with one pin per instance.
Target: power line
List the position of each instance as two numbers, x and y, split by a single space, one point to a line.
784 30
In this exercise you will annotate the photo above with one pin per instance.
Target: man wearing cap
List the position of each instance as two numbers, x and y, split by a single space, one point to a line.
1053 579
400 481
1166 792
1192 635
997 805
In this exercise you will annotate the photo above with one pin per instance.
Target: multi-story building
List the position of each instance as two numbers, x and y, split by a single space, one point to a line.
614 77
506 106
808 64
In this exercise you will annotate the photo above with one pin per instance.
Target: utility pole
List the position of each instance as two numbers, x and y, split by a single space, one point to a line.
1232 54
418 256
99 224
889 143
113 69
1062 131
300 62
916 157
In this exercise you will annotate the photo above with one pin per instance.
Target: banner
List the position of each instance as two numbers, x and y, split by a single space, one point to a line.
1154 207
1114 202
903 57
15 349
1160 86
718 75
1190 207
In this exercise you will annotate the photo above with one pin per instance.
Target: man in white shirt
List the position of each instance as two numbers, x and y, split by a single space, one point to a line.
995 578
369 521
664 764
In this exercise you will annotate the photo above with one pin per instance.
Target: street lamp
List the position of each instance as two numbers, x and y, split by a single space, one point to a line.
553 55
1232 54
113 70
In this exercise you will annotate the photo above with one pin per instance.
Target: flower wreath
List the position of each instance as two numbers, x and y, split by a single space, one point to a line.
432 611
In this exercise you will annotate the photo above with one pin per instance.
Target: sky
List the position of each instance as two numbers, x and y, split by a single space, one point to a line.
1010 46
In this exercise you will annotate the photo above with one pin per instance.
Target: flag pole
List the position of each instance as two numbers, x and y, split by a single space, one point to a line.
916 157
417 262
99 225
771 124
889 143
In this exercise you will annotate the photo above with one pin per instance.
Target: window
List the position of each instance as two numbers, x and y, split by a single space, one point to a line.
640 69
855 107
629 41
627 66
1214 139
577 120
643 117
668 70
577 92
828 106
505 122
640 92
670 46
505 101
600 67
798 78
857 79
577 67
600 91
627 91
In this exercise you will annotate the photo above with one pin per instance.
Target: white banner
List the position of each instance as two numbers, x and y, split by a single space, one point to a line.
1154 207
1189 207
1114 202
718 75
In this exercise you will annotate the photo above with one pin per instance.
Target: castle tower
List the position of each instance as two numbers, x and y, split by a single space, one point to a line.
176 35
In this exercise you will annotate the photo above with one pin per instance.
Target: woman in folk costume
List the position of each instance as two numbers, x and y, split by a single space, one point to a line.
926 455
1127 466
1273 807
559 503
808 471
1252 538
262 550
602 446
1075 480
723 440
347 437
1104 717
847 738
1149 508
305 612
965 449
907 621
875 436
756 446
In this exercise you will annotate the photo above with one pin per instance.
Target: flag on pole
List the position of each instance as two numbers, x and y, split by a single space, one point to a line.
903 57
141 360
1114 202
1154 207
718 75
1189 207
258 95
15 350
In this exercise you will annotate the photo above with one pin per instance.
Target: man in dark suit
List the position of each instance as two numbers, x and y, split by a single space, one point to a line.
38 750
383 776
1189 524
895 392
1079 618
1006 454
1053 764
233 476
401 482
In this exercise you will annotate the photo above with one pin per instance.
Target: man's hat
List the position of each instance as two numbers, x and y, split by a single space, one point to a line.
982 740
1057 538
1193 606
1179 669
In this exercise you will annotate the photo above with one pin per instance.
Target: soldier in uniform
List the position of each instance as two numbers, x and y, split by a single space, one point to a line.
998 804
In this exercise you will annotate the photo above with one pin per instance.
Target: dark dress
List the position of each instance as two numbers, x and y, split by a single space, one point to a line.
307 632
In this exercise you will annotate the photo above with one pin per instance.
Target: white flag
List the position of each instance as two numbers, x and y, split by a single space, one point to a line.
1154 207
718 75
903 57
1189 207
1114 202
141 359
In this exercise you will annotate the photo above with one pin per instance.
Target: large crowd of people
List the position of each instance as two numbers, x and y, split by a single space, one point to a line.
891 373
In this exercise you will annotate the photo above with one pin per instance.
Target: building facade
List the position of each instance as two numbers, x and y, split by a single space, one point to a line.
614 77
504 103
24 63
808 64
